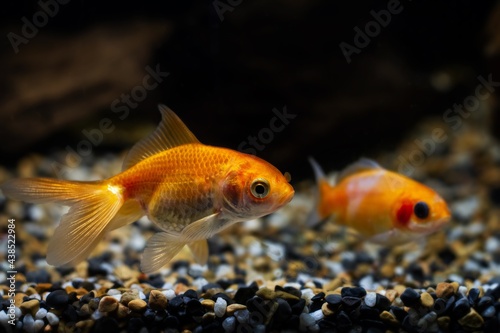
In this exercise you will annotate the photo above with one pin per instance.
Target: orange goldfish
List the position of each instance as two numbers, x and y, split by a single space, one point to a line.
379 205
189 190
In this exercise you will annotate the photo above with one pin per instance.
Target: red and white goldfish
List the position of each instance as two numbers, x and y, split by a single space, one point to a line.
379 205
189 190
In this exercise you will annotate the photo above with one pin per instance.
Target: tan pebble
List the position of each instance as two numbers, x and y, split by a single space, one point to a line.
391 294
31 307
108 304
266 293
82 269
389 317
81 292
85 324
286 296
387 270
444 289
122 311
85 309
444 322
31 291
211 292
137 305
208 304
124 273
180 288
128 296
455 286
101 292
18 299
399 288
426 300
472 320
157 301
262 264
232 308
209 316
326 310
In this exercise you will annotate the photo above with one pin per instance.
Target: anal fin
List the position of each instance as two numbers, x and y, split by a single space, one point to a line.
200 251
159 251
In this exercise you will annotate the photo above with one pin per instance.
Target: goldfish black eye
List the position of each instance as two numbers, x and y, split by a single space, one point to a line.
259 188
421 210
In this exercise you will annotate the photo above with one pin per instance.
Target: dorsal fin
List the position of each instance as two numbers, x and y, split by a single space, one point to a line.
360 165
171 132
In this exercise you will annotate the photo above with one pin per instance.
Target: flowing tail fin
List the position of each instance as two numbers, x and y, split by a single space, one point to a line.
93 205
314 220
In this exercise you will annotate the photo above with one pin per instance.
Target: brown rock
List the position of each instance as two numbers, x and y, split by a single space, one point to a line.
108 304
31 307
472 320
157 301
389 318
266 293
137 305
208 304
232 308
286 296
122 311
128 296
444 322
426 300
444 289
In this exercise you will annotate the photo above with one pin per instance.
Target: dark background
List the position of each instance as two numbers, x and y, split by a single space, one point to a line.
227 76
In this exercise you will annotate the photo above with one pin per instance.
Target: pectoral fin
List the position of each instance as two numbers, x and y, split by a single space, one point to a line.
204 228
200 251
160 249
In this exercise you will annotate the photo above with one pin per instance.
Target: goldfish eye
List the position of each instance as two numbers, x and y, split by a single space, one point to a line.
421 210
259 188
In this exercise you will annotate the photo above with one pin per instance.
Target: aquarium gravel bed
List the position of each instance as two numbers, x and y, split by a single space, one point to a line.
273 274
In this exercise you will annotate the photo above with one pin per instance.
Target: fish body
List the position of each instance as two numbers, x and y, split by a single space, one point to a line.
189 190
380 205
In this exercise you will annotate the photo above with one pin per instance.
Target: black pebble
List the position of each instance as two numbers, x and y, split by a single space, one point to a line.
282 314
461 308
190 293
399 313
176 303
298 307
70 315
244 294
350 302
194 308
105 325
39 276
135 325
440 306
58 299
410 297
343 321
484 302
293 291
382 302
318 297
170 322
473 296
409 327
367 312
95 267
334 301
224 284
183 280
353 291
156 281
180 264
87 297
447 255
149 315
87 285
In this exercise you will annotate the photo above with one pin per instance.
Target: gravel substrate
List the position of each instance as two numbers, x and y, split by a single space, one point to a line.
273 274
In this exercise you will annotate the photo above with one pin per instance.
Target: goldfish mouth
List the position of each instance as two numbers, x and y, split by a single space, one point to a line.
428 228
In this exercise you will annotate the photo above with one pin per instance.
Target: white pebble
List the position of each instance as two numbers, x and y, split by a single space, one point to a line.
293 285
306 320
117 297
492 244
28 323
220 307
199 283
462 290
223 270
367 282
307 294
371 299
465 208
229 324
40 314
317 315
112 292
196 270
141 295
4 318
39 324
52 319
169 294
242 316
97 315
